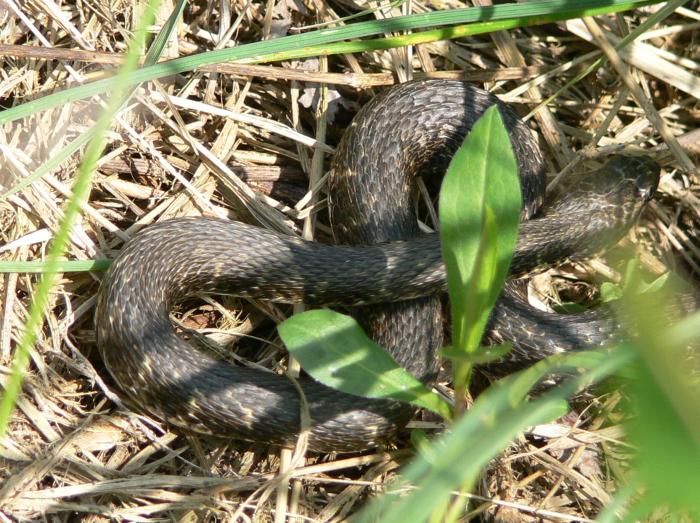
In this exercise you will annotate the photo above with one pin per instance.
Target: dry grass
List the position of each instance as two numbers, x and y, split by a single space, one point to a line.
204 143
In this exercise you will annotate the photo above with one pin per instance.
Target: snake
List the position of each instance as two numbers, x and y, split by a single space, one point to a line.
381 268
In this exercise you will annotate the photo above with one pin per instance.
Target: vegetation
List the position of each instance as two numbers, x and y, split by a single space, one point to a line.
66 449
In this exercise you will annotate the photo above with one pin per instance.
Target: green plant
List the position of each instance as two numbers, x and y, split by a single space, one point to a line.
501 412
479 213
487 193
81 188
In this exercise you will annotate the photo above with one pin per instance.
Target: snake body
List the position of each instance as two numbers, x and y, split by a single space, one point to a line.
381 266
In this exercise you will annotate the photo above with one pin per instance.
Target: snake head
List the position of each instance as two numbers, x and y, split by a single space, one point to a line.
617 192
641 173
588 214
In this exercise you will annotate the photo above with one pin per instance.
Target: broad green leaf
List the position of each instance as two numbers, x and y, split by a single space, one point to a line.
496 418
334 349
480 206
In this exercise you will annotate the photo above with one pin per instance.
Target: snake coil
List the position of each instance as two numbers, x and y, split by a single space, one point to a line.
381 264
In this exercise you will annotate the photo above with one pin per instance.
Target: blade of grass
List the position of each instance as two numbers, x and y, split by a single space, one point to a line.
422 37
160 42
511 15
59 266
80 190
496 417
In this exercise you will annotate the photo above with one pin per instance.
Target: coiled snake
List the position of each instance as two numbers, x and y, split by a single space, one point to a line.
410 130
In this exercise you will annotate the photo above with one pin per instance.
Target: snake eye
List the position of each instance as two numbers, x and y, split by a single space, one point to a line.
646 193
647 173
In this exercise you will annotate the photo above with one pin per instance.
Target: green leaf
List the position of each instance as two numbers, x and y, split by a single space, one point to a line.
660 283
480 206
633 284
334 349
610 292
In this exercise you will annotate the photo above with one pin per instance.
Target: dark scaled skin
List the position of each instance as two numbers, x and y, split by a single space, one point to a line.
410 130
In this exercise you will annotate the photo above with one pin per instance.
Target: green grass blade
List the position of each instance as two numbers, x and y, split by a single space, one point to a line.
435 35
80 190
518 14
160 42
496 418
59 266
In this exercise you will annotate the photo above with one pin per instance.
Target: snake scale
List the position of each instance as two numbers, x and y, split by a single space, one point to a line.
380 265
